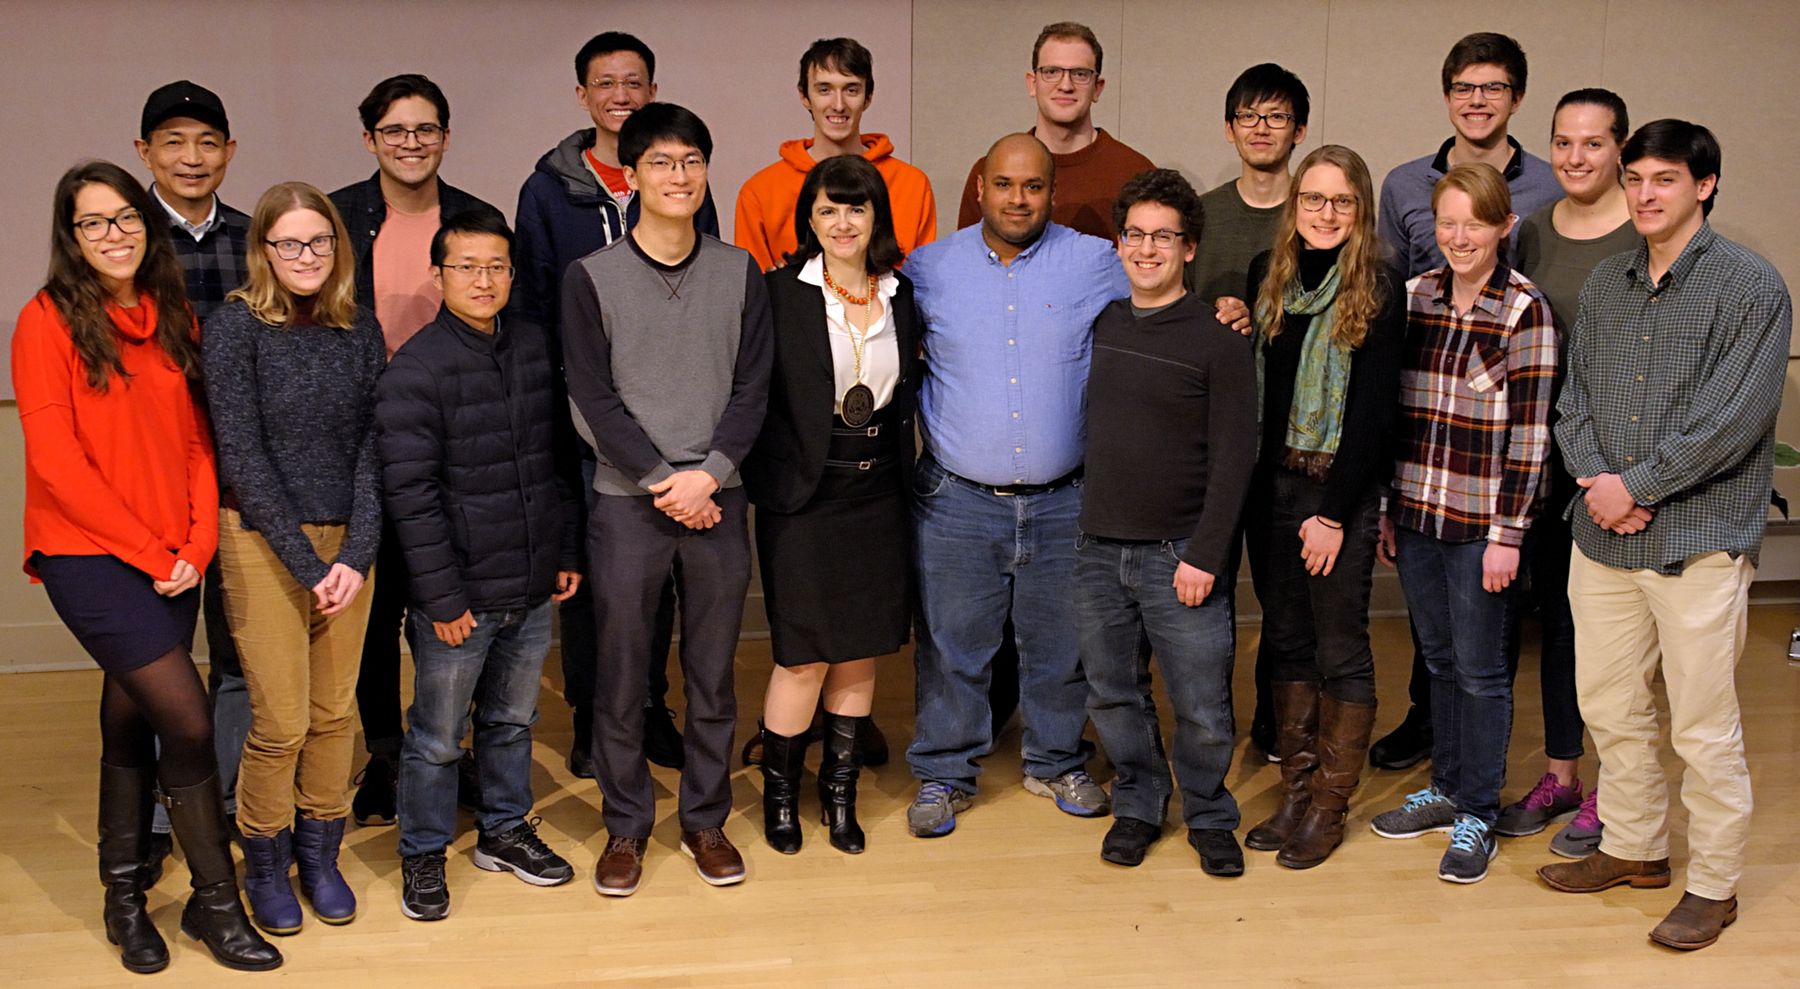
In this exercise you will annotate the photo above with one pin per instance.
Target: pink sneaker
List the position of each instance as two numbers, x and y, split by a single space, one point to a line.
1581 837
1547 802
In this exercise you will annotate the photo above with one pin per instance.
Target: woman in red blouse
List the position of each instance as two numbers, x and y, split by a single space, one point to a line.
121 517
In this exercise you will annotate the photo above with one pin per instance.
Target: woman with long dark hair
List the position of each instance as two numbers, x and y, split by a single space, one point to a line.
1330 323
828 476
291 364
121 518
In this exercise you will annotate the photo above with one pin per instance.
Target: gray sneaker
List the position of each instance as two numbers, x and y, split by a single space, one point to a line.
1075 793
933 811
1581 837
1472 846
1424 812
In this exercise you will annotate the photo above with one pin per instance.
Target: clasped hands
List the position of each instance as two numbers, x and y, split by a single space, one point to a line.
1611 506
686 497
185 577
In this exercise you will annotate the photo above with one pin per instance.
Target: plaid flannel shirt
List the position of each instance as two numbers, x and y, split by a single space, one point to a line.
1674 386
215 262
1474 426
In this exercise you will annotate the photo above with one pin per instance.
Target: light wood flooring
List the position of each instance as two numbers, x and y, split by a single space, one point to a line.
1017 896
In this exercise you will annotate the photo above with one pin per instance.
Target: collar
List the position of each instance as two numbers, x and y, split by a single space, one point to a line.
1027 254
812 272
1515 166
1639 272
667 269
196 231
1493 294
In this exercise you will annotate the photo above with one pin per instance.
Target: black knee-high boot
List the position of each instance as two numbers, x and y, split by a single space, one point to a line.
214 914
837 779
783 759
125 808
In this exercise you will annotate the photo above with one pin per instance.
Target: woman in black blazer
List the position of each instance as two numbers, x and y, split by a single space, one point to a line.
828 477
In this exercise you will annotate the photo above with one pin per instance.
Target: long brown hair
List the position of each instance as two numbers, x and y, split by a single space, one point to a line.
74 287
268 299
1359 263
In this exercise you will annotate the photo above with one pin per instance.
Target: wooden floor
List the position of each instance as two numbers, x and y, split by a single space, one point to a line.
1017 896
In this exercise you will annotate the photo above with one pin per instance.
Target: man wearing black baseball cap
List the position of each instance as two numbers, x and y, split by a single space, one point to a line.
185 141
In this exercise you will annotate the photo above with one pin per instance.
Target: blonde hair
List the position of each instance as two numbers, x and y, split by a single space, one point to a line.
1359 263
268 299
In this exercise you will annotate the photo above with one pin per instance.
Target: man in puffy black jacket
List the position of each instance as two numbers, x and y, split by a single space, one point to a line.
489 529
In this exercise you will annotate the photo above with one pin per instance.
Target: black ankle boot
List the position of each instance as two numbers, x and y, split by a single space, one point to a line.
784 758
214 914
837 780
125 808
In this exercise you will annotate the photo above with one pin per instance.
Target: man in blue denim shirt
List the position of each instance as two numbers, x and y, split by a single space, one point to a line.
1009 307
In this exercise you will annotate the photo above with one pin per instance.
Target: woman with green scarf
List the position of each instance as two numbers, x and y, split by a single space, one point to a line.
1330 319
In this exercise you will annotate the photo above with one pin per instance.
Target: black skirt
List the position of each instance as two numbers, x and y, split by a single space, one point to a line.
837 574
114 612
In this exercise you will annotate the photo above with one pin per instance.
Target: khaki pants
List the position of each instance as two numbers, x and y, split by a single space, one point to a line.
301 668
1626 621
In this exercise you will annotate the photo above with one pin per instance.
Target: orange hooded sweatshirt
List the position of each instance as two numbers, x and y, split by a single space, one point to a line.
765 205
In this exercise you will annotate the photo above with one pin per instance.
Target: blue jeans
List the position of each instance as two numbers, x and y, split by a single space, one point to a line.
498 668
981 558
1463 632
1125 592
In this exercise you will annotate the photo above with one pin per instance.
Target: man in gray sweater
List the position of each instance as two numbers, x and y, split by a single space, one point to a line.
668 341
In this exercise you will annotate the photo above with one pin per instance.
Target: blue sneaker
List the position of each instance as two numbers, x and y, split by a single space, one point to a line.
1472 846
1075 793
1423 812
933 811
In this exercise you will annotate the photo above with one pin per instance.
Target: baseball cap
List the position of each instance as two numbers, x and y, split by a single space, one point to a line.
184 99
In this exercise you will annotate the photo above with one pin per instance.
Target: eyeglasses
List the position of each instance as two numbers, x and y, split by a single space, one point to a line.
95 228
607 84
1276 121
1312 202
1053 74
1133 237
1491 90
290 250
394 135
498 272
663 164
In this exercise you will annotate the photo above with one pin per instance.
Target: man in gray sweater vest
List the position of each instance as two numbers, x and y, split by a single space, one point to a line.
668 341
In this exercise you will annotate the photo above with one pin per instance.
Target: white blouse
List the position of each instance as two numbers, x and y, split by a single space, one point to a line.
881 350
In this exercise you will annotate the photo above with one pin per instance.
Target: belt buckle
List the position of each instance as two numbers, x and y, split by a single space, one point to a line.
1002 494
874 431
865 464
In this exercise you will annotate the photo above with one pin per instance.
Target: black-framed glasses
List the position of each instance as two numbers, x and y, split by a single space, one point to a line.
1491 90
394 135
1133 237
1312 202
1053 74
95 228
290 250
497 272
1278 120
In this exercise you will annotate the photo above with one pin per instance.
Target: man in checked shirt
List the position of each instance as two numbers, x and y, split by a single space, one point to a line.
1472 439
1675 376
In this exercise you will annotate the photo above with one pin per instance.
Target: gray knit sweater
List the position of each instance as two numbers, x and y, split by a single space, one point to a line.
293 411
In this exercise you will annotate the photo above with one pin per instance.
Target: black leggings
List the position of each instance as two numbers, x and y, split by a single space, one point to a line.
164 701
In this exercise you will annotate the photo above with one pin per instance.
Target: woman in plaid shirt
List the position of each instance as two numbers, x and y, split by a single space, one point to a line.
1472 439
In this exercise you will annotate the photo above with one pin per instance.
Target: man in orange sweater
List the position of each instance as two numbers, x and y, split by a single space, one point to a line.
1091 165
837 82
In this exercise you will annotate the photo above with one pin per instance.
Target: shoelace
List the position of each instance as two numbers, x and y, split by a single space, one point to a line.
1078 777
1421 798
1469 835
525 836
934 793
427 873
1544 794
1588 817
712 838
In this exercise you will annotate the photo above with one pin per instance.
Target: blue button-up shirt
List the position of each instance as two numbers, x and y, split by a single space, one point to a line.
1004 400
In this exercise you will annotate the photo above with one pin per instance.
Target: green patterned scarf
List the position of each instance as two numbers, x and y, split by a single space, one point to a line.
1316 419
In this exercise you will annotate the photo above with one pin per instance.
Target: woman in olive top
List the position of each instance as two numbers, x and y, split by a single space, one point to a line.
1330 321
291 363
121 517
828 476
1559 246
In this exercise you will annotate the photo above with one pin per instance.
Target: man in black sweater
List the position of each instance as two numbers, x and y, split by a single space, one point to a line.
489 533
1171 443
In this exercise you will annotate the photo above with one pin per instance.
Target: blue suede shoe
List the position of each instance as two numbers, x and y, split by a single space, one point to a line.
316 852
272 902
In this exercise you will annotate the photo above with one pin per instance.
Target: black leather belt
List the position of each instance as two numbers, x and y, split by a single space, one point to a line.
1014 490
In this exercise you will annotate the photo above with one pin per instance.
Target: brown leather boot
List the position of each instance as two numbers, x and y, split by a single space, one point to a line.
1296 736
1343 748
1601 871
1695 922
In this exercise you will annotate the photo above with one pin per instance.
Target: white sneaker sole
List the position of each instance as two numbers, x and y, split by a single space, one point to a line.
709 880
489 863
1043 789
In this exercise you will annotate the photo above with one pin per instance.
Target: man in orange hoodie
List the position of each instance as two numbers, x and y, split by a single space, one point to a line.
837 83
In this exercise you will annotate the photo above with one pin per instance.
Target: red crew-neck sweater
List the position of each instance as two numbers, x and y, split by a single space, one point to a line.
126 472
1087 183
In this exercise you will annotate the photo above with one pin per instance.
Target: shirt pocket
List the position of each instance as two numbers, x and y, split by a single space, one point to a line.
1485 371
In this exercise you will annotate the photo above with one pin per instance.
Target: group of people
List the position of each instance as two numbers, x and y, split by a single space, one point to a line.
426 421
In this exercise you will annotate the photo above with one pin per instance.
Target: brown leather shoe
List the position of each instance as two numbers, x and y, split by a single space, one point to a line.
1695 922
1601 871
1343 750
620 867
1296 704
715 857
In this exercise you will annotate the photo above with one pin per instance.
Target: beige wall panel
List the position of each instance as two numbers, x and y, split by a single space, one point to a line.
31 636
971 57
1183 57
